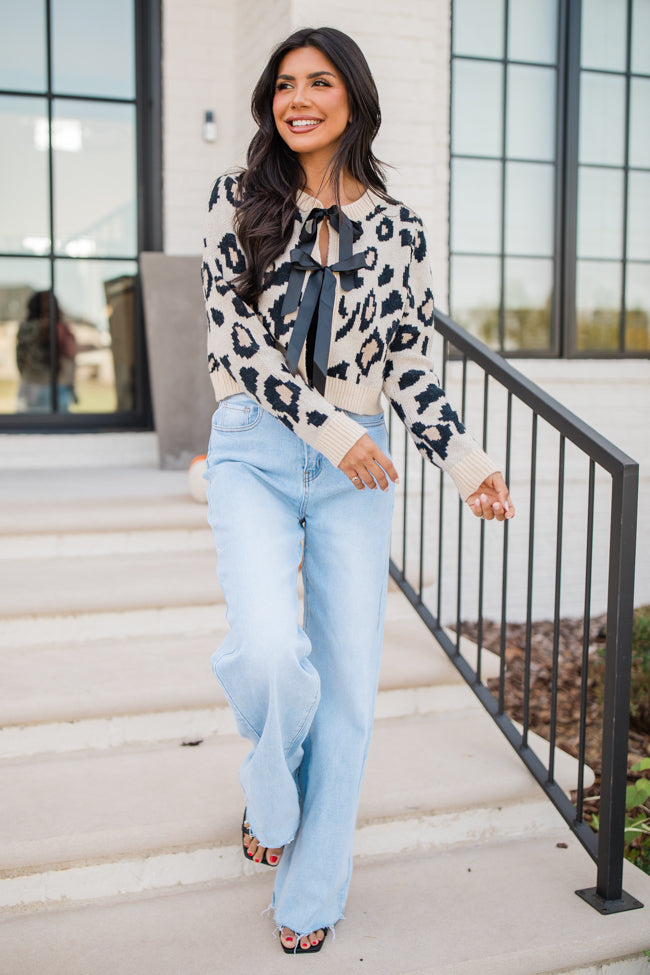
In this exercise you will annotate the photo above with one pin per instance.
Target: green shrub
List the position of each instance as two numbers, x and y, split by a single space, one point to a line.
640 675
637 818
640 689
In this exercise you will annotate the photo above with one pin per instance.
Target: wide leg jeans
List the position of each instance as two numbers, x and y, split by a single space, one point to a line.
303 693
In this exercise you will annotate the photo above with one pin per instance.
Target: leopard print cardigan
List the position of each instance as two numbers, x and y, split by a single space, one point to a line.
381 327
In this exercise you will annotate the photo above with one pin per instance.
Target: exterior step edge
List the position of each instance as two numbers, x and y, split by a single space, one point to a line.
117 731
164 870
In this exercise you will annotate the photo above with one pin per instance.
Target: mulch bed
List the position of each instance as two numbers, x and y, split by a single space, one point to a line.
569 687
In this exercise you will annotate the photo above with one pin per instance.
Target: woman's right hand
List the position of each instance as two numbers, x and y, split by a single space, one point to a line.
368 466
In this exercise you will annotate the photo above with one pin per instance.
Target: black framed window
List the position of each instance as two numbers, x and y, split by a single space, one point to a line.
550 177
80 198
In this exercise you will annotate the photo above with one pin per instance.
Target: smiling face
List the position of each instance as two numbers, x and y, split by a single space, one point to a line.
310 105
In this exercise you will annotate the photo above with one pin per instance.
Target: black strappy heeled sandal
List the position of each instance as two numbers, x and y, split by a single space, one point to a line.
305 951
247 831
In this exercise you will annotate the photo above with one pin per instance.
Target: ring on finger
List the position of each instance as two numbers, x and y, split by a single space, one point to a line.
356 477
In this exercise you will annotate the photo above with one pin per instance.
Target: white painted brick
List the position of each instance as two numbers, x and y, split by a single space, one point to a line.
198 73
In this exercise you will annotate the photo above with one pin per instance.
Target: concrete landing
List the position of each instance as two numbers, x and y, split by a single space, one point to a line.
495 909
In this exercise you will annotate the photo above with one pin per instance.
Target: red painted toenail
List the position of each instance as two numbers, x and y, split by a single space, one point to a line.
273 859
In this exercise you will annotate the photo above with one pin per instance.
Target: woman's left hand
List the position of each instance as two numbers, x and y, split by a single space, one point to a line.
492 500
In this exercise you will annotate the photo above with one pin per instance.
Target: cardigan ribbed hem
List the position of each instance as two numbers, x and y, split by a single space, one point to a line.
355 399
471 471
337 435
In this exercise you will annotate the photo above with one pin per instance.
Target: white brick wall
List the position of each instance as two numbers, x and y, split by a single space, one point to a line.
261 24
198 75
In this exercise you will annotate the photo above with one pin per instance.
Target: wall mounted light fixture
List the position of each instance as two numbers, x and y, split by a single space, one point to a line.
209 127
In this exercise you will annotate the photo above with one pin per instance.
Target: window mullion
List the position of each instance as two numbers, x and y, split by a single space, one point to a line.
54 345
504 122
626 177
570 60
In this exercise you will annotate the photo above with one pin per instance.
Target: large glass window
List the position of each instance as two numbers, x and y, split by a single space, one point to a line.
73 212
613 198
504 172
550 175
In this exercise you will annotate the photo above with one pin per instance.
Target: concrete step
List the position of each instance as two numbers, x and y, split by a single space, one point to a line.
103 527
128 820
57 486
102 543
81 513
503 908
98 583
103 693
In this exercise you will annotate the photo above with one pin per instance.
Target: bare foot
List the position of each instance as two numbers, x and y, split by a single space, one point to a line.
288 939
257 852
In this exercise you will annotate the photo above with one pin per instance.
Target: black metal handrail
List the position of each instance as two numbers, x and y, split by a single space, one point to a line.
423 551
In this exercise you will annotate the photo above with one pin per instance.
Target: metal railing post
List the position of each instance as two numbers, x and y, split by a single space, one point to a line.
608 895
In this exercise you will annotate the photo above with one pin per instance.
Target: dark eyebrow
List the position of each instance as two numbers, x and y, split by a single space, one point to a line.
314 74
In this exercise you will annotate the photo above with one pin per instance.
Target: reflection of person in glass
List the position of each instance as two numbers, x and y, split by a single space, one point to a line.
34 359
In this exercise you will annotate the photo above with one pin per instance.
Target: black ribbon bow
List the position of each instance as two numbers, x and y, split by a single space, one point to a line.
317 306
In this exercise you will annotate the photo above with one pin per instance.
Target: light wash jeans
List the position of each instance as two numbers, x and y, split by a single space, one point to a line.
304 695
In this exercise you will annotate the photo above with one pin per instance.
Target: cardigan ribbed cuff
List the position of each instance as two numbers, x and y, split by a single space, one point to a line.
338 435
471 471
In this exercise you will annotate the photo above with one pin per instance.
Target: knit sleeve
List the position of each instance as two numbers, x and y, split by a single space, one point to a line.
241 346
414 389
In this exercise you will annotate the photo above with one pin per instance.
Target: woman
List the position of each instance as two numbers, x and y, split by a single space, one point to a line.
318 298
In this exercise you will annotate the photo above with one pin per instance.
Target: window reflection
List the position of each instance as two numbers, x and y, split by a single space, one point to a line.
529 208
598 305
602 119
604 34
477 108
93 50
531 113
476 206
503 211
640 61
475 290
638 217
24 198
637 312
600 213
478 27
67 313
22 45
98 297
528 298
639 124
94 180
19 280
532 30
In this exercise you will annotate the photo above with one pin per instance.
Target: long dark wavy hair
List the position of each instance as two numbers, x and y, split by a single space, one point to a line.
269 186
